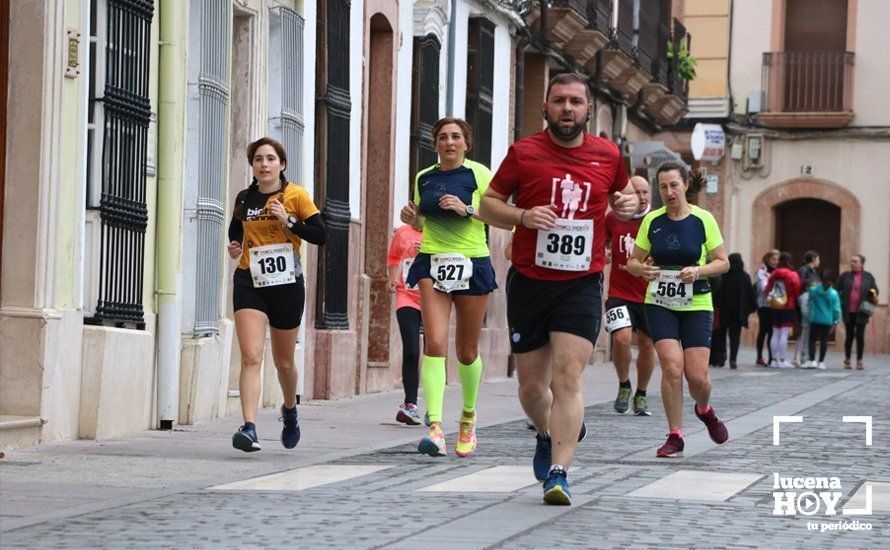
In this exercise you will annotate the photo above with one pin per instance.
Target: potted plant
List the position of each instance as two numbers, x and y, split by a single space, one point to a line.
685 63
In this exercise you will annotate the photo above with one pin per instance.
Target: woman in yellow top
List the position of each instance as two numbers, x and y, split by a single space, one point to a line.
271 218
680 238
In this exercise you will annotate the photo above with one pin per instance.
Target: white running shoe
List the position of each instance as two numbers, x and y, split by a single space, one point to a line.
821 365
773 364
785 364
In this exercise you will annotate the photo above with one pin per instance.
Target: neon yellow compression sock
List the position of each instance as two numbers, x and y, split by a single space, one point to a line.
470 378
433 375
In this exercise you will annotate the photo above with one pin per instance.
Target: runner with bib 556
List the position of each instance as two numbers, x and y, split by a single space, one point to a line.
453 267
671 252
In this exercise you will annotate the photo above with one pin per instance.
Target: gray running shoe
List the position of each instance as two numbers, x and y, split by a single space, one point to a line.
641 406
622 402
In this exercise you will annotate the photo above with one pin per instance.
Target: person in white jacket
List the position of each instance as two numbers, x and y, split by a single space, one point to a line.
764 313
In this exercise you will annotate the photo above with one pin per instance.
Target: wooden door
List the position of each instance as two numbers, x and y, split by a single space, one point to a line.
813 59
810 224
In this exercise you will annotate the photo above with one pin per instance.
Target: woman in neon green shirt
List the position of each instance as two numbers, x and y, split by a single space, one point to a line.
679 238
453 267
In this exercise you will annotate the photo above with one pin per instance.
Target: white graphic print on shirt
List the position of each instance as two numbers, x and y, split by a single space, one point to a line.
573 197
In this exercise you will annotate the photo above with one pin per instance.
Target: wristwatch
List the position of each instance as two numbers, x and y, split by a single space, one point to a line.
470 210
291 222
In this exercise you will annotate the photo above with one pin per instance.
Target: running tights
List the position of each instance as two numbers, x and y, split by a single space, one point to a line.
802 347
409 329
735 333
857 331
765 331
819 332
434 384
778 343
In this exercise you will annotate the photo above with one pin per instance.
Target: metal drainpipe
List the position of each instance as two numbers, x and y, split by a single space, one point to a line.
171 130
452 37
519 84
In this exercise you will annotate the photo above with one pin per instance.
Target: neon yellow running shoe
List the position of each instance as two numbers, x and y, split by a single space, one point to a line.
433 443
466 439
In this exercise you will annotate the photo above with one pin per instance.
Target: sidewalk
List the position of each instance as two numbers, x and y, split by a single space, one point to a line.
66 488
74 477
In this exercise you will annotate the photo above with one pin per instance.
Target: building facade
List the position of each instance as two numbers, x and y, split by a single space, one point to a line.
116 199
796 100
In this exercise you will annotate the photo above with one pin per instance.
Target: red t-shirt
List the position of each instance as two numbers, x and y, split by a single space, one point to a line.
402 252
620 236
542 173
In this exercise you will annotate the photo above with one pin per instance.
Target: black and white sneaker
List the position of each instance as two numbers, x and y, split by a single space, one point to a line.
245 439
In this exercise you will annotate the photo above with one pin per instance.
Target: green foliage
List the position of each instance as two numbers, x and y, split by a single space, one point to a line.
685 62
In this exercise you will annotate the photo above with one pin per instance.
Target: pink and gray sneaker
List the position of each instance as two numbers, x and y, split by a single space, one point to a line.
716 429
408 414
672 448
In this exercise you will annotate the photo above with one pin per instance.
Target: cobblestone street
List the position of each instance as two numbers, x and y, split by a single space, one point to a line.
389 496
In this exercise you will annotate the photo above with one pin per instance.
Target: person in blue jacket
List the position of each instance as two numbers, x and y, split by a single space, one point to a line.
825 314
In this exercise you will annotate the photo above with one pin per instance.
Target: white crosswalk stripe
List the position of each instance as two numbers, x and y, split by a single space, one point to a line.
500 479
697 485
880 497
301 478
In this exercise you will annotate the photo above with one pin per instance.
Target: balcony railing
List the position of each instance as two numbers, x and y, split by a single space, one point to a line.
599 14
677 84
808 82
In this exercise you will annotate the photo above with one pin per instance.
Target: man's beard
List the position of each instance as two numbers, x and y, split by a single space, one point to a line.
566 133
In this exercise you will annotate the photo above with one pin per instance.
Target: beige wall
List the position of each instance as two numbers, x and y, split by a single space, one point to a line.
753 34
708 23
871 77
751 38
845 163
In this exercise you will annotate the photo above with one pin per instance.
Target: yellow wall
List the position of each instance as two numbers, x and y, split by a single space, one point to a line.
151 182
71 167
708 23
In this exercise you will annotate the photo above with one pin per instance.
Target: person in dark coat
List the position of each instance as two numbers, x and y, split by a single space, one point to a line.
859 295
735 299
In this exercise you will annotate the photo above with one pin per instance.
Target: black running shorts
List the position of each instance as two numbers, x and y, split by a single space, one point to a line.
636 310
535 308
282 304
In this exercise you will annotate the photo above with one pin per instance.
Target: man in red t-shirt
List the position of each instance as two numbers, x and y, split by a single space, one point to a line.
624 306
562 179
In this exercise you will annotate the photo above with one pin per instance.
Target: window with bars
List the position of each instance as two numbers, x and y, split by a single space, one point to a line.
424 105
212 161
480 86
332 166
117 145
286 123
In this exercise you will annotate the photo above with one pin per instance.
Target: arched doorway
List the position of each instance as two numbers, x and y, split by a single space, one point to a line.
378 196
810 224
767 215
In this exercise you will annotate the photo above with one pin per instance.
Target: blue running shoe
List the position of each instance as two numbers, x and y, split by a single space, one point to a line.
245 439
543 455
556 489
290 433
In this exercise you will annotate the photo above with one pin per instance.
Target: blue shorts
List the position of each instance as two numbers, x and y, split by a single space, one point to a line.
691 328
481 283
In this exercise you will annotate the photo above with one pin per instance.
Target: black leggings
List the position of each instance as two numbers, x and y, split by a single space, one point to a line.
409 328
735 333
820 332
854 330
765 331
